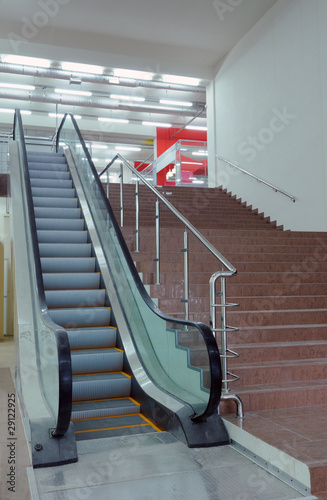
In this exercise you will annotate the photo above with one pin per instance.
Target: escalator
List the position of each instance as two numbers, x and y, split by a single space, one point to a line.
96 357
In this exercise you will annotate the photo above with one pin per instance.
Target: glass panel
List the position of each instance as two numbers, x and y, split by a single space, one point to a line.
44 337
161 344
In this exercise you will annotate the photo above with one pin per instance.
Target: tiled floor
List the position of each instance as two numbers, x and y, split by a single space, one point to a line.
299 432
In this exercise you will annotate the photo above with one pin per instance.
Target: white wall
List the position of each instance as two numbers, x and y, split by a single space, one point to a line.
270 101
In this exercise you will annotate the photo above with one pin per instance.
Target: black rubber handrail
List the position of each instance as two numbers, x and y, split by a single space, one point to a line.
63 348
212 348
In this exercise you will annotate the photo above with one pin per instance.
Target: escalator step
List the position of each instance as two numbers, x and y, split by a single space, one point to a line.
46 201
62 236
83 338
65 250
97 360
104 408
81 316
60 224
44 165
37 156
68 265
57 213
49 174
52 183
101 386
53 192
75 298
71 281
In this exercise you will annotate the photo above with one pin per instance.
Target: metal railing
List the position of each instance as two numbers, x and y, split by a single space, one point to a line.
229 271
274 188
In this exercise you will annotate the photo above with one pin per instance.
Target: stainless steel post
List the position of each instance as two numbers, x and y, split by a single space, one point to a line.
157 259
137 217
121 196
223 336
186 276
107 175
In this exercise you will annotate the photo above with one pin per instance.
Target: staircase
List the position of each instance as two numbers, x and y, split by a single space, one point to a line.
76 298
280 288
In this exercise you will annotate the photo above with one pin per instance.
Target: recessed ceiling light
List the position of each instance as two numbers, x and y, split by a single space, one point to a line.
127 148
61 115
200 153
17 86
139 75
82 68
157 124
99 146
114 80
73 92
193 127
191 163
176 103
182 80
26 61
127 97
114 120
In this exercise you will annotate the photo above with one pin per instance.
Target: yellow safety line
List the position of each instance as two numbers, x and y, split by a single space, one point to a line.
95 348
101 373
150 423
111 428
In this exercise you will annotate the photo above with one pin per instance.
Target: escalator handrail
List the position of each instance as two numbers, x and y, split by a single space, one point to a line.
63 348
212 348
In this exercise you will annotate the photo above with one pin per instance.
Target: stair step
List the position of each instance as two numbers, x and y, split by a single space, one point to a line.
46 201
51 183
49 174
88 338
53 192
57 213
60 224
45 157
75 298
97 360
59 166
65 250
104 408
71 281
68 264
101 386
45 236
81 316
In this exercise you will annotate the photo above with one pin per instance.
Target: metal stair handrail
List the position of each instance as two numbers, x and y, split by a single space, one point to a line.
274 188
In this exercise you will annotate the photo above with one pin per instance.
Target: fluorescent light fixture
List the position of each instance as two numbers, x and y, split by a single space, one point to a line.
182 80
82 68
114 80
195 127
26 61
61 115
127 148
127 97
113 120
138 75
191 163
73 92
176 103
95 159
200 153
197 182
25 112
16 86
157 124
99 146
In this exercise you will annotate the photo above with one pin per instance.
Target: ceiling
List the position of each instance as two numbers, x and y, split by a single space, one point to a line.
175 37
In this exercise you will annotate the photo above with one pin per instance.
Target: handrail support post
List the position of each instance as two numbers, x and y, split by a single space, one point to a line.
186 276
157 259
137 217
121 196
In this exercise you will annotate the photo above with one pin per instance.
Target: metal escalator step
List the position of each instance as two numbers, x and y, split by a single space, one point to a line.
71 281
46 201
104 408
81 316
101 386
68 265
43 165
97 360
60 224
112 426
84 338
65 249
75 298
49 174
57 213
53 192
52 183
39 156
62 236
